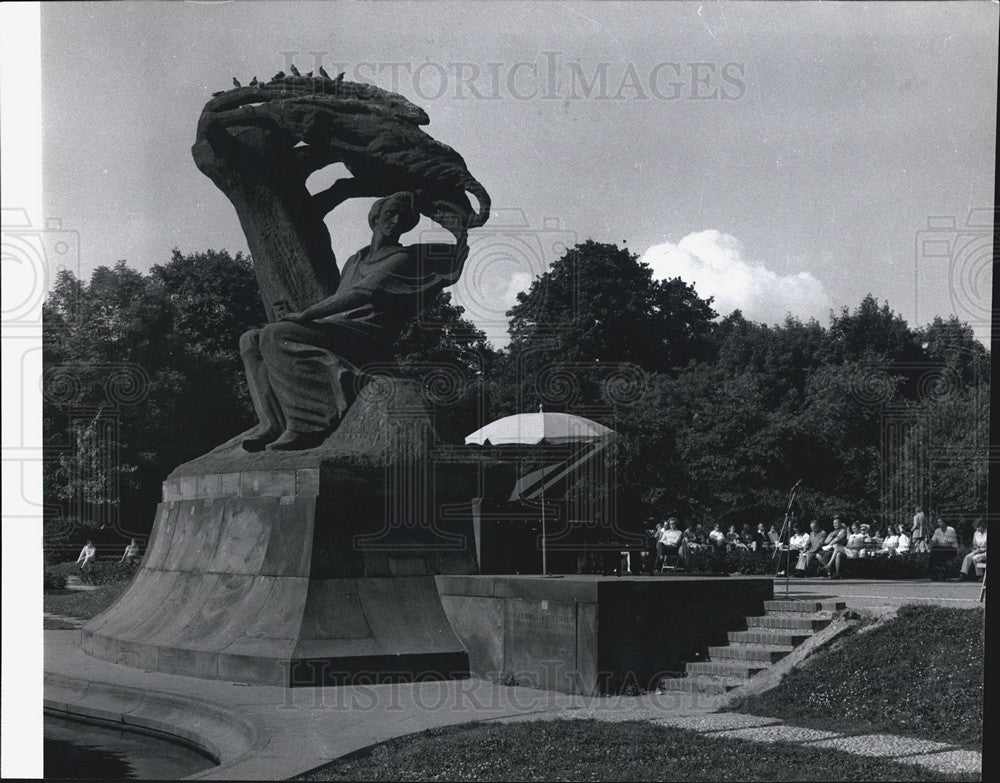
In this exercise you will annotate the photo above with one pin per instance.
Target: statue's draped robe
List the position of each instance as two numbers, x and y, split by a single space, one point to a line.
303 376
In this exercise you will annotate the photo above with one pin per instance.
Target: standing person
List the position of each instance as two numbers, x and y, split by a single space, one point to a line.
978 553
87 555
918 532
131 553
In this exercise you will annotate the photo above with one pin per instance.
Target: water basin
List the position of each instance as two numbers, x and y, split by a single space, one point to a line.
74 749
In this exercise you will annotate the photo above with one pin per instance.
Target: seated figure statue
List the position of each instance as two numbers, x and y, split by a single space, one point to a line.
304 370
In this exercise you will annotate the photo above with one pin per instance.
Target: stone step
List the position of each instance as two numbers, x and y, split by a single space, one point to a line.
729 668
714 685
804 607
789 620
769 636
750 652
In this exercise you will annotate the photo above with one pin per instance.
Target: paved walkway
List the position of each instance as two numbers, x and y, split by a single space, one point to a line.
73 582
882 594
263 732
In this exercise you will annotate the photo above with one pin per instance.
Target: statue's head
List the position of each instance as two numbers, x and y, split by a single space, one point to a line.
401 206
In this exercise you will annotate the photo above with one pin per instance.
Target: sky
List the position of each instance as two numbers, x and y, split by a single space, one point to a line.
783 158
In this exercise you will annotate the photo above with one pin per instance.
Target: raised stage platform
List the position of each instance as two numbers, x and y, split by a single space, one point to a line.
594 634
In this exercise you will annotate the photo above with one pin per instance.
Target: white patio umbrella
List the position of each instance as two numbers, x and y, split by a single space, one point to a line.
542 428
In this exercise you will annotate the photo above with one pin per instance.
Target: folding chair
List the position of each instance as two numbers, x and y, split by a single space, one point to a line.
671 562
982 591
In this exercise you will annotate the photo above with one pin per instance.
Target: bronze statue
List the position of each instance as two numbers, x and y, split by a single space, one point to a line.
259 144
304 370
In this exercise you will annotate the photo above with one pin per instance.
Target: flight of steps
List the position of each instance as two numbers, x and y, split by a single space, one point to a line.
767 639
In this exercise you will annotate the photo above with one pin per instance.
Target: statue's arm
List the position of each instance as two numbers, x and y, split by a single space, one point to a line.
332 305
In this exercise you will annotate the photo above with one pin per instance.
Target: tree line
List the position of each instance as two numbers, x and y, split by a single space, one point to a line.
717 417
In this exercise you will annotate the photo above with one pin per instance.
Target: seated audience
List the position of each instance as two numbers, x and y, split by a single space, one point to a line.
131 553
696 537
672 542
944 536
943 547
87 555
903 548
829 554
891 540
717 538
734 540
978 553
811 551
797 541
856 542
762 539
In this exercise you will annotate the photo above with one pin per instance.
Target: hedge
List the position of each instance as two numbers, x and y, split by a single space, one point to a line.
916 565
108 572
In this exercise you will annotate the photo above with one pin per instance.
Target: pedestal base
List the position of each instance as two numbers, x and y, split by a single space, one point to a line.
306 568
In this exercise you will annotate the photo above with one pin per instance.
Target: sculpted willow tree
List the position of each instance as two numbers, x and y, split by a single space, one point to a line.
260 144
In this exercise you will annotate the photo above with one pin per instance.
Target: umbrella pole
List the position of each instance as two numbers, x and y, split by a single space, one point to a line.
545 569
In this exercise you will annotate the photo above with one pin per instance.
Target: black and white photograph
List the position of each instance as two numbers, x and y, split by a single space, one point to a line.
467 391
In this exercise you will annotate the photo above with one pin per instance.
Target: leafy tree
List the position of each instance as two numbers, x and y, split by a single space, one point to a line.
870 332
453 360
596 309
155 356
599 303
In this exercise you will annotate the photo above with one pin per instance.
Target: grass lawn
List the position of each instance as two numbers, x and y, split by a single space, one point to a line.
919 675
597 750
82 604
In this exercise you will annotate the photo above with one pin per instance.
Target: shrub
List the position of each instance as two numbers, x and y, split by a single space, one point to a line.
53 581
741 560
108 572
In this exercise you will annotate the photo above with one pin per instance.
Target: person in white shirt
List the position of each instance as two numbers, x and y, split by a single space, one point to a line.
799 541
944 547
978 553
903 548
716 537
891 541
944 536
855 542
87 554
671 541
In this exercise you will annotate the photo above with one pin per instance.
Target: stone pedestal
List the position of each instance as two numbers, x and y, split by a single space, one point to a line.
305 568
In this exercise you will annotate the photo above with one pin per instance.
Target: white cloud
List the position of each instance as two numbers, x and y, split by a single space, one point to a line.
713 262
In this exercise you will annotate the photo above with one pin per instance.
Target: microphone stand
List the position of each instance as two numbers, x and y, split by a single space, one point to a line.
786 536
